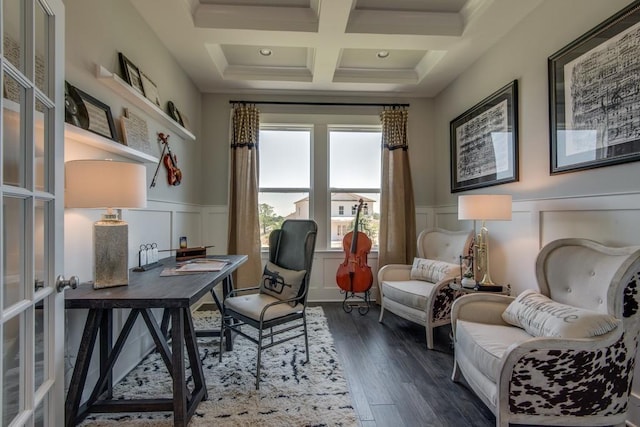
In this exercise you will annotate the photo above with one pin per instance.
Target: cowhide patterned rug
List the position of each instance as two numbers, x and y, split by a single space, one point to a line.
292 392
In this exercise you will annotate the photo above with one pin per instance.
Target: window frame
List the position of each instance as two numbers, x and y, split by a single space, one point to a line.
320 120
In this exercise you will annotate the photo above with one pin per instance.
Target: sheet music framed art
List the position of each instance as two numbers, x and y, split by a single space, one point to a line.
594 96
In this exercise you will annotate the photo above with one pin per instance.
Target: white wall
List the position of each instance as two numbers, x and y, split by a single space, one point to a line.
95 32
601 204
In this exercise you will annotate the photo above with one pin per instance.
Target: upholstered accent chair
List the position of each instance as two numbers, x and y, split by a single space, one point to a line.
425 298
561 356
277 306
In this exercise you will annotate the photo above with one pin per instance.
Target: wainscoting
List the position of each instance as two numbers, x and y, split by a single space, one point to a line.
610 219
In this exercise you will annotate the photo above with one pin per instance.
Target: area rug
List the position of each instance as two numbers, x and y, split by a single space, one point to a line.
292 392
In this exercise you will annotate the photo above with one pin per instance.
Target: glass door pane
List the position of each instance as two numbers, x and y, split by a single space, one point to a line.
13 25
42 59
12 369
13 212
13 148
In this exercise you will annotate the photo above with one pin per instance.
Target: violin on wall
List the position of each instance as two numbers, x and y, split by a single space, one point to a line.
354 275
174 174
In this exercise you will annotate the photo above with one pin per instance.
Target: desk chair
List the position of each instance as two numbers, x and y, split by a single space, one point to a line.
281 296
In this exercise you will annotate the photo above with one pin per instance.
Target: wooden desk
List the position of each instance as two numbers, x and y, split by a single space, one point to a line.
146 291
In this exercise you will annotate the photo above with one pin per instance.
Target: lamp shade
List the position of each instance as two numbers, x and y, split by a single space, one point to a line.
105 184
486 207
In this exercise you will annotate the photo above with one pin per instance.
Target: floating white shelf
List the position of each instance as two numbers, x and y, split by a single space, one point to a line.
89 138
122 88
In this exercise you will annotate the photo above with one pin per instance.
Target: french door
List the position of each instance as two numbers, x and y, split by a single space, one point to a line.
31 247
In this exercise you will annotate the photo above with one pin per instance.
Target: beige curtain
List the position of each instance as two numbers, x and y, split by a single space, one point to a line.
244 229
397 210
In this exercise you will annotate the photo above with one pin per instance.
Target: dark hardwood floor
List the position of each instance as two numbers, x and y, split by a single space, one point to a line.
394 380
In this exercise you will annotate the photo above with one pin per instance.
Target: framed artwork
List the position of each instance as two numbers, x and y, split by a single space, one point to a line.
150 89
131 73
594 96
99 114
135 133
484 142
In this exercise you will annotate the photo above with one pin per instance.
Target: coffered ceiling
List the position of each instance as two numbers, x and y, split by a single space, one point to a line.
409 47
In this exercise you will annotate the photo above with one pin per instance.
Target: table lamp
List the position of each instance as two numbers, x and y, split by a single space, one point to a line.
107 184
485 207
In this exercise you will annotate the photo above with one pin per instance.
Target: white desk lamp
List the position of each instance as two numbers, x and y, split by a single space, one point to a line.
485 207
107 184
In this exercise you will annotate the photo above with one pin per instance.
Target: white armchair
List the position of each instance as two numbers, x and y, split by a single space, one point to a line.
526 375
425 302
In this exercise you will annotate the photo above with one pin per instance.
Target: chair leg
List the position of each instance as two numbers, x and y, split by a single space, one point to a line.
306 337
381 310
259 357
221 337
429 331
455 375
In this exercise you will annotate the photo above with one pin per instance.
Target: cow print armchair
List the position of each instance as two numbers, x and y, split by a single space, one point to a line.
563 355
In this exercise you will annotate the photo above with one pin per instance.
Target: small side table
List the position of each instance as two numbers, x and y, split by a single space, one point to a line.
456 286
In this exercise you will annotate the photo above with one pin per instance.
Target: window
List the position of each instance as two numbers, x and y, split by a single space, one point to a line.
319 166
354 175
285 177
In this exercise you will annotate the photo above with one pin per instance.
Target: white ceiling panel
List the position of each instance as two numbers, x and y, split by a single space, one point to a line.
330 46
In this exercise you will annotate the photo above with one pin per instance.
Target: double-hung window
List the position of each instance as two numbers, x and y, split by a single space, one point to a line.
320 171
354 174
284 176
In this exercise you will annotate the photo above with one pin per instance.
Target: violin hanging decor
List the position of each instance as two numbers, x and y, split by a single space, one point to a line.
174 174
354 275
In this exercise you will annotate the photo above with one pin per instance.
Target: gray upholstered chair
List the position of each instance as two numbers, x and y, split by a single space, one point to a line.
569 358
426 301
281 297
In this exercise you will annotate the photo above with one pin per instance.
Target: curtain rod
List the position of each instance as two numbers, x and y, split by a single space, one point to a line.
335 104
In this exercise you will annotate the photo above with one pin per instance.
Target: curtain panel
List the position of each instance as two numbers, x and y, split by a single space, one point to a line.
397 211
244 229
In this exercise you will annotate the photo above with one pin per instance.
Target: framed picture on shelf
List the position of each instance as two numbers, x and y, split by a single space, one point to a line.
99 114
594 99
484 142
135 132
131 73
150 89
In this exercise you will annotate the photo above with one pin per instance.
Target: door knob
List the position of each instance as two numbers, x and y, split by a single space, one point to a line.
62 284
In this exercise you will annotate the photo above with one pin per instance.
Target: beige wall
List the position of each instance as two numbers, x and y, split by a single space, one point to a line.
522 55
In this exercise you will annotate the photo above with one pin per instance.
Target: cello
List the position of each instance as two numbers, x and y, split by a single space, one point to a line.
354 275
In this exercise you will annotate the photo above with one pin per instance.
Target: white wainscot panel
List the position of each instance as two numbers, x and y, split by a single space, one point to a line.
148 226
189 225
615 227
215 229
513 247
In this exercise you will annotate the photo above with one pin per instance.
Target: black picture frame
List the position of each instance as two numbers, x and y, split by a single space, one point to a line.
99 116
484 142
131 73
594 101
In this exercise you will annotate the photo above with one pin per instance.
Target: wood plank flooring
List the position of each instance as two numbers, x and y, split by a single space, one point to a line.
394 380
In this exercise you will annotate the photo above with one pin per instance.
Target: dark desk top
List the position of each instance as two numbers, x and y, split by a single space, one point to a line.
147 289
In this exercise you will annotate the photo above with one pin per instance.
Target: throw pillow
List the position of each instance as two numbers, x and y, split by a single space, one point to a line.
540 316
280 282
433 271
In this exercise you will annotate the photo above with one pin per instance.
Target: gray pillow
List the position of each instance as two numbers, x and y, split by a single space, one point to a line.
280 282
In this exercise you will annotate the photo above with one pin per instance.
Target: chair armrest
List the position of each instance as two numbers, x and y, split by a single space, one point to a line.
480 308
394 272
540 367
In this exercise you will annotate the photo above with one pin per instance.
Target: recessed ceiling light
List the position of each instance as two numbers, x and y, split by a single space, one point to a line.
382 54
265 52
